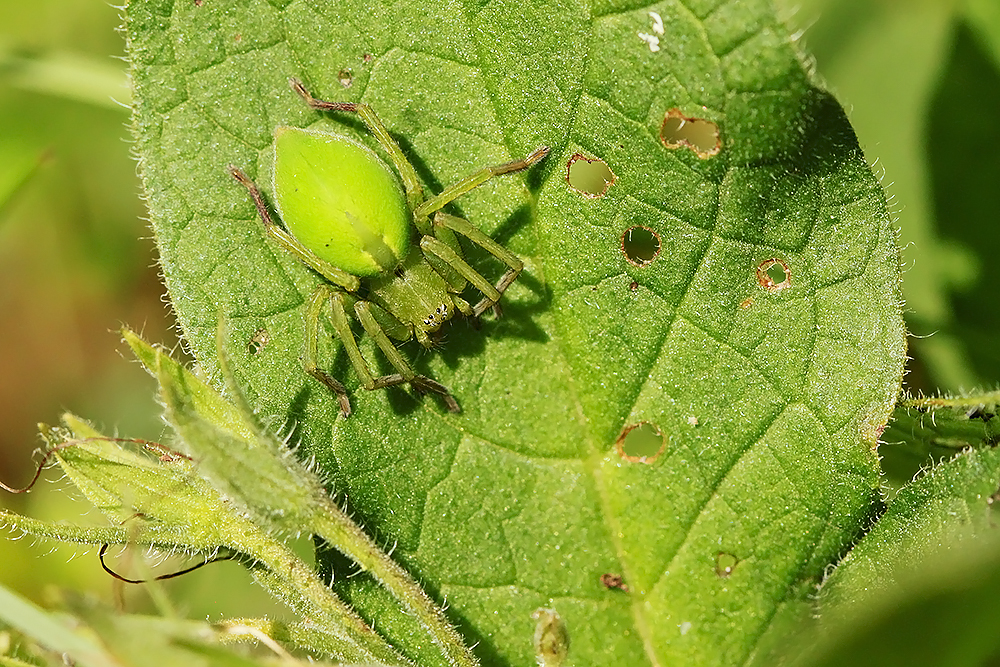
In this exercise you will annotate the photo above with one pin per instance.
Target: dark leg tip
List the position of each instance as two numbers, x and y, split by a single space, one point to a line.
345 406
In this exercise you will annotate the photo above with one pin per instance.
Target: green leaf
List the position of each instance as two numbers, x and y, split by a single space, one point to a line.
885 60
97 637
248 465
880 609
769 398
253 470
21 614
163 503
940 616
943 508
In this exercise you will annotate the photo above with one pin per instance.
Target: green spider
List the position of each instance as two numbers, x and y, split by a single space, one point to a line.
350 219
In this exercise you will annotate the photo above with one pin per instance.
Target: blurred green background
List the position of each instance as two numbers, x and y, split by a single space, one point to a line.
920 80
77 262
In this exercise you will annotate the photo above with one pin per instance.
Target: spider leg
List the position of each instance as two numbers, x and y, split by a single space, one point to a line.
435 203
290 243
414 191
446 254
406 375
474 234
319 298
339 302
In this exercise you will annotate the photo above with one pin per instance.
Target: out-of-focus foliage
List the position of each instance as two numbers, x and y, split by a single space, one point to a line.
75 262
71 264
921 82
940 613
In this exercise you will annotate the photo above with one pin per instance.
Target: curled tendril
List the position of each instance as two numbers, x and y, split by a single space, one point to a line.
166 454
104 550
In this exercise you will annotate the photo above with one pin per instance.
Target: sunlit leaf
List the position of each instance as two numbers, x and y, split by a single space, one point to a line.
763 341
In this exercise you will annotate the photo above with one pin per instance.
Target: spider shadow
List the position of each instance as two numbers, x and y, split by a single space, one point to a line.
296 415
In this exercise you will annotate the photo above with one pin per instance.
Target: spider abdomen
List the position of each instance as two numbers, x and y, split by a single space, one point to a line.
340 200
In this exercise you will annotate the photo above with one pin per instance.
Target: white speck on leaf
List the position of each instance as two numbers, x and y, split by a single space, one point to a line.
652 40
657 23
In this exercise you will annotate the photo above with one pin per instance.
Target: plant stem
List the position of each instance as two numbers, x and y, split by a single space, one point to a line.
334 526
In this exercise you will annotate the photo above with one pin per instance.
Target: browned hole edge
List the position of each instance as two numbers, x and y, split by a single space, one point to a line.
620 443
659 246
684 143
765 280
590 160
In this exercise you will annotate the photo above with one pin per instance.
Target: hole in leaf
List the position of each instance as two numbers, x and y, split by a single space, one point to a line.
634 286
614 581
774 275
259 341
641 245
551 638
591 177
641 443
698 134
725 564
346 78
